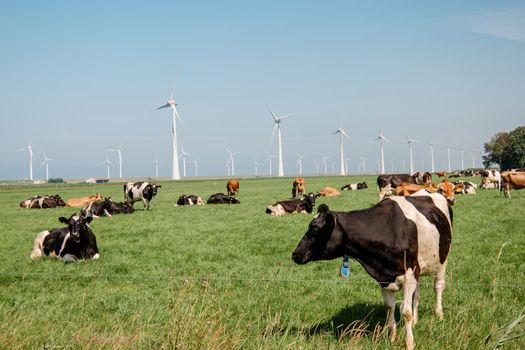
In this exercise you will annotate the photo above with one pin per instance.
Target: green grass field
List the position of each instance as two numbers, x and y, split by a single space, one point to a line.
221 277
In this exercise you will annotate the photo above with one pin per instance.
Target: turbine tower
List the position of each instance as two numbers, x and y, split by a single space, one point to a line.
431 145
460 149
156 167
410 141
269 161
183 156
107 163
325 158
278 120
46 163
300 163
364 165
382 138
119 152
256 166
473 155
29 149
448 152
341 133
196 166
231 161
175 175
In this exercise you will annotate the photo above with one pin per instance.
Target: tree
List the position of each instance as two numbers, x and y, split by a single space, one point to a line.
514 152
506 149
494 149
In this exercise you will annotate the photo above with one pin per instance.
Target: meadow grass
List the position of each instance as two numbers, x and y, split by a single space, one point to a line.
221 277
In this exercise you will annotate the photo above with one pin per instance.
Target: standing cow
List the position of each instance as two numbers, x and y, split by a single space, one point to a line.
232 187
76 241
396 241
490 179
140 191
298 187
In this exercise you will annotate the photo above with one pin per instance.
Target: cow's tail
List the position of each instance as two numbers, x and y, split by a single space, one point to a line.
38 245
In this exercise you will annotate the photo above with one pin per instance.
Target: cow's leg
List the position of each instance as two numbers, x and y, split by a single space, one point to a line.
439 286
415 304
146 204
409 288
390 305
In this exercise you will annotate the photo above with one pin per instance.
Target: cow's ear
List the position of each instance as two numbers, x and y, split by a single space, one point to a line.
63 220
158 186
323 208
88 219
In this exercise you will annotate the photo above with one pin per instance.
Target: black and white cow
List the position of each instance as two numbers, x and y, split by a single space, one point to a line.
43 202
353 187
396 241
189 200
221 198
303 205
106 207
76 241
140 191
387 183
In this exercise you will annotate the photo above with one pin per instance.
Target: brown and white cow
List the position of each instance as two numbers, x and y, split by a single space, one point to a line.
512 179
298 187
232 187
43 202
490 179
446 188
328 192
396 241
406 189
303 205
83 201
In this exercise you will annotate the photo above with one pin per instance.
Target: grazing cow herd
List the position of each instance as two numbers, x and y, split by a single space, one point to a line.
406 235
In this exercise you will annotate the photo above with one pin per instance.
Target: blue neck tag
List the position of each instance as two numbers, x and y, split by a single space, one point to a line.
345 267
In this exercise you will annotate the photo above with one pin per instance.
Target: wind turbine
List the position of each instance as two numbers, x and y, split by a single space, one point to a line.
118 150
431 145
278 121
231 160
46 163
183 156
341 133
107 162
346 164
156 167
300 163
317 168
460 149
325 158
473 155
269 160
196 165
175 175
382 138
448 152
410 141
29 148
256 166
364 165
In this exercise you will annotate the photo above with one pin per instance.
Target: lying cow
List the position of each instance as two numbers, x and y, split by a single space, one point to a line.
303 205
396 241
514 180
490 179
353 187
76 241
464 187
43 202
83 201
221 198
422 177
298 187
406 189
189 200
387 183
106 207
328 192
232 187
140 191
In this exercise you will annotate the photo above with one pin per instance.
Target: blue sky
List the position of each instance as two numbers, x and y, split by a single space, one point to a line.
78 78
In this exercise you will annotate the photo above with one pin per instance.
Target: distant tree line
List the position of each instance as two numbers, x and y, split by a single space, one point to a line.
507 149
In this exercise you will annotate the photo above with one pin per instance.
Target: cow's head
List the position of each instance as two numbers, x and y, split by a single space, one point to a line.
446 188
234 200
60 201
183 200
309 202
322 241
76 224
363 185
153 188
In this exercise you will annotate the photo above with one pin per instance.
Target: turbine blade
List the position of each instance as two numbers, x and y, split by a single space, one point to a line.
172 91
273 115
273 132
178 116
346 135
163 106
285 116
387 140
